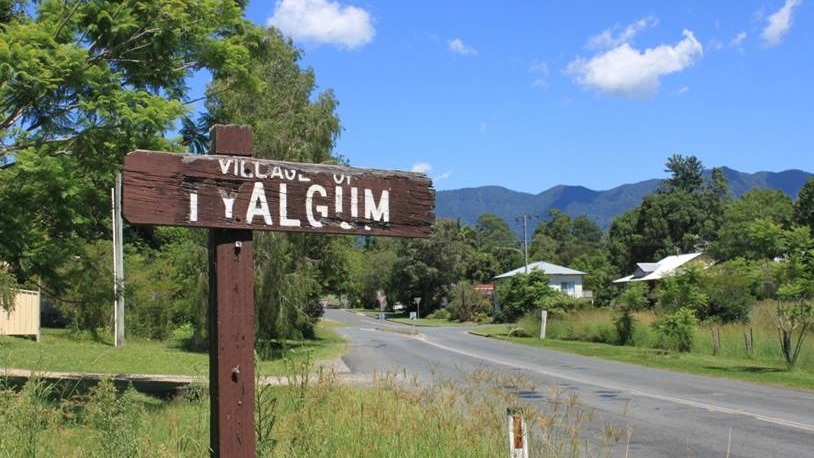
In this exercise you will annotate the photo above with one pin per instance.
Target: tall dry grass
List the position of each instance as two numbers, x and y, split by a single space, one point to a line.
310 416
597 326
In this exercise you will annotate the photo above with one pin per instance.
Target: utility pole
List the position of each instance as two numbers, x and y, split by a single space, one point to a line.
525 244
118 264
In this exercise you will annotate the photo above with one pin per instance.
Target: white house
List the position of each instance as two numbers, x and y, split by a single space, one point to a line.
648 271
569 281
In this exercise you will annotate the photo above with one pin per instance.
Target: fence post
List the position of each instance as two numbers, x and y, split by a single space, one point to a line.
543 322
518 434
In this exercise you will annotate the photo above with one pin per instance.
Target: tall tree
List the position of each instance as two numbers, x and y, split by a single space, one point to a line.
428 268
81 84
561 239
290 122
682 216
494 236
686 174
734 238
804 205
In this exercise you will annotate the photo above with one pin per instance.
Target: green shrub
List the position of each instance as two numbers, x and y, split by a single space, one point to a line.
440 314
676 331
632 299
729 289
561 304
521 294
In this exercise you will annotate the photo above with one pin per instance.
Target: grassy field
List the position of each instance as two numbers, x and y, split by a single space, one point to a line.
586 333
61 351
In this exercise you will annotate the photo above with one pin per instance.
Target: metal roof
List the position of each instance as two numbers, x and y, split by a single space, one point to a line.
546 267
664 268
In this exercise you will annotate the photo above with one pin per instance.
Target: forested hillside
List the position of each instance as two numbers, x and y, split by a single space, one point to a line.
600 206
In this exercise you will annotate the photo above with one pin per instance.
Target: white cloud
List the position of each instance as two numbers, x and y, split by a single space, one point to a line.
540 69
779 23
323 22
458 46
738 40
421 167
606 39
425 168
627 72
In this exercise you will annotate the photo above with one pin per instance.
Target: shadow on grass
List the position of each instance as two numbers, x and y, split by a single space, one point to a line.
746 369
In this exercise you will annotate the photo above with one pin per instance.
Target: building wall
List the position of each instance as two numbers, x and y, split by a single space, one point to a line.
24 319
556 282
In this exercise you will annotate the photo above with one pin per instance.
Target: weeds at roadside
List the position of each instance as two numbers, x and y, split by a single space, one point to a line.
314 415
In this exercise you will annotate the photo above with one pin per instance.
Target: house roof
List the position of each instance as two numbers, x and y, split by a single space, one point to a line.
657 270
546 267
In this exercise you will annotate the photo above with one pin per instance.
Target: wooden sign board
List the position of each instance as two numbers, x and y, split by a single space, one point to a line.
230 192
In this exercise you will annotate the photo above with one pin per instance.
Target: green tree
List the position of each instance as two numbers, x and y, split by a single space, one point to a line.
682 290
795 307
427 268
286 290
804 205
371 272
481 267
730 287
290 121
599 275
81 84
682 216
631 300
686 174
466 304
735 236
494 236
561 239
523 293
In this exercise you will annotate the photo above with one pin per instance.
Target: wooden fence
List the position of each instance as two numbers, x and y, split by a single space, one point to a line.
24 318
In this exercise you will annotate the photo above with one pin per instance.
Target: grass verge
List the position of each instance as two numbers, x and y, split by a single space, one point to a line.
756 371
60 351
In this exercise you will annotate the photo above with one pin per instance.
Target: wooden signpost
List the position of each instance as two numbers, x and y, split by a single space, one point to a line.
233 194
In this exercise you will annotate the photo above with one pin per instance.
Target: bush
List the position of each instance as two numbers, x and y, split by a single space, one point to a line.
523 293
466 303
561 304
632 299
676 331
729 291
440 314
625 324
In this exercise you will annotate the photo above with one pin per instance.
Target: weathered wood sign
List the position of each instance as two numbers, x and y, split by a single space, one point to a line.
231 192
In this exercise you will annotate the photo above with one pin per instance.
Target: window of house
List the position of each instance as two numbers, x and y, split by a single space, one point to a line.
568 287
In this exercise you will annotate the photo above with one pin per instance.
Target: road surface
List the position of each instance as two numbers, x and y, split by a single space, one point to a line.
668 414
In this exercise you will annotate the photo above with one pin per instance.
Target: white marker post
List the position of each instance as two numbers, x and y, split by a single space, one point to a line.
518 435
543 320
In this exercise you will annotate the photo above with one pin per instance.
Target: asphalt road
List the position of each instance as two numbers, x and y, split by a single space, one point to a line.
668 414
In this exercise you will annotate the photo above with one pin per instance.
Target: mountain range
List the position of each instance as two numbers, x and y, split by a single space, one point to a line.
468 204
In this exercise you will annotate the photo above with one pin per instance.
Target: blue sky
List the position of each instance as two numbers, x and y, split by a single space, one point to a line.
532 94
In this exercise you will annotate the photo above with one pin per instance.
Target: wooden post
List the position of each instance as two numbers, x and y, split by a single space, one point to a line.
716 341
231 323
